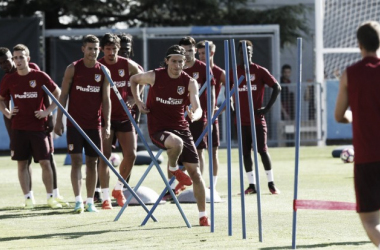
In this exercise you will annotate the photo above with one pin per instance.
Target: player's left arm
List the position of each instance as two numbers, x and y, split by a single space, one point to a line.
134 69
276 89
195 113
342 114
106 106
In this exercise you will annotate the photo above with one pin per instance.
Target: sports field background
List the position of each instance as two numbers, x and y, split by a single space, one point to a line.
321 177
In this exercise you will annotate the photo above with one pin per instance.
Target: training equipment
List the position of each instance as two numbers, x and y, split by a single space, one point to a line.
338 150
204 221
115 160
53 203
119 196
347 155
182 177
143 158
147 195
91 208
187 196
106 205
79 207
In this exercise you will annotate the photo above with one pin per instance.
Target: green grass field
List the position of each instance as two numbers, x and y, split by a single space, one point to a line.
321 177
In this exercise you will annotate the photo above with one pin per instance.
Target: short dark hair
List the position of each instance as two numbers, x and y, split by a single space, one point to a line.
89 39
4 51
125 38
368 35
187 40
285 66
202 44
21 47
249 43
110 39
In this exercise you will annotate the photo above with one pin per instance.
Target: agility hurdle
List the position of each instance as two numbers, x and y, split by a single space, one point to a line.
145 144
96 149
254 140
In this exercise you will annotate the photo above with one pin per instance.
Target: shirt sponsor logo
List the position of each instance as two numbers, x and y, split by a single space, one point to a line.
32 83
26 95
245 88
121 72
180 90
120 84
89 88
98 77
129 84
170 101
196 75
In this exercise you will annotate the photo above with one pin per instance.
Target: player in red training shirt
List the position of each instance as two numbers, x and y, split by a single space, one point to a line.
9 67
259 78
28 135
89 91
170 90
359 89
121 70
220 79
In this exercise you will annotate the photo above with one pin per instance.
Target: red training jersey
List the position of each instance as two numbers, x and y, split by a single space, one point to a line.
85 99
28 97
260 77
198 72
166 101
120 77
363 83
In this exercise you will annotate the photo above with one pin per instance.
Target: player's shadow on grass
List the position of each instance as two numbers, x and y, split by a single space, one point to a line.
16 213
357 243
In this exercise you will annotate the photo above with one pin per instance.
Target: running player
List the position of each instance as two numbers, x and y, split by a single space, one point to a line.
170 89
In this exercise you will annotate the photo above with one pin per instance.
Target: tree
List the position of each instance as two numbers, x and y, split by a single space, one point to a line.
107 13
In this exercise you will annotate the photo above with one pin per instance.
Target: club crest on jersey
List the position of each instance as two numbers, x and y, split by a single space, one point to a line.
32 83
196 75
98 77
162 137
121 72
180 90
254 87
253 77
71 147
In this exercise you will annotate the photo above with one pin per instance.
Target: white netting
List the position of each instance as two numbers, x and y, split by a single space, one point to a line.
341 19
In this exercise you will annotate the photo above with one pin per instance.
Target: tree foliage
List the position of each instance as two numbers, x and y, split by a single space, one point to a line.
106 13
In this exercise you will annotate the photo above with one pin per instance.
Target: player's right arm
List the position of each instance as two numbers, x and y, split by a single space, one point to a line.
343 115
195 113
141 79
65 89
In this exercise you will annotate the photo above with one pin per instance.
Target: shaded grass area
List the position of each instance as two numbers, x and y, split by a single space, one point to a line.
320 177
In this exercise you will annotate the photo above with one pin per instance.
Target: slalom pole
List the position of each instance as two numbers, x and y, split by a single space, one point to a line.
254 139
95 148
209 137
239 136
297 142
228 127
145 144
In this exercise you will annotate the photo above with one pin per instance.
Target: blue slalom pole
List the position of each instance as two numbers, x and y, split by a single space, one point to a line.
239 136
209 137
145 143
196 144
95 148
254 139
297 142
148 170
228 126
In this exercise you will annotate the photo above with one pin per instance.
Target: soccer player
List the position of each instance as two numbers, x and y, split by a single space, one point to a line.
88 91
358 89
28 126
220 79
170 90
121 70
197 70
9 66
259 78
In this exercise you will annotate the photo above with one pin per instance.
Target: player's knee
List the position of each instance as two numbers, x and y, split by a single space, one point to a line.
177 144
